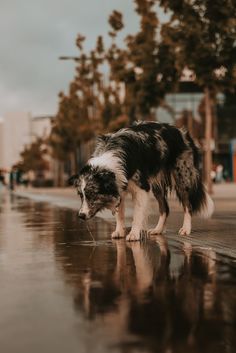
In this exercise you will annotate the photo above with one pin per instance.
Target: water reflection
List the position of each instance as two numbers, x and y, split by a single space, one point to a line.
157 296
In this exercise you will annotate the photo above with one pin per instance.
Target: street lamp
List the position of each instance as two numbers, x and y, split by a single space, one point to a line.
79 58
75 58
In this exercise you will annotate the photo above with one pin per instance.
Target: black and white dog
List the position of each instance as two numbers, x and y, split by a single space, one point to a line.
144 158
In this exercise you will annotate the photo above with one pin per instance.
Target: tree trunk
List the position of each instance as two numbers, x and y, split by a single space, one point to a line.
58 173
75 161
208 140
190 122
72 163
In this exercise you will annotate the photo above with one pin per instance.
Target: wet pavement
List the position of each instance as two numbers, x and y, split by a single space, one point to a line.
69 288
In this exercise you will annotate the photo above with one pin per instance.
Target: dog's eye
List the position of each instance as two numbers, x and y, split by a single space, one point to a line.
80 194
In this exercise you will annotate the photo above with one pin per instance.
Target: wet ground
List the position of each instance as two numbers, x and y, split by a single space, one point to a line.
67 288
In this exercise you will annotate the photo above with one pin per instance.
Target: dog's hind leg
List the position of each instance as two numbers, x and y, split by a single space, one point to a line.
160 194
120 221
187 186
138 229
182 191
183 196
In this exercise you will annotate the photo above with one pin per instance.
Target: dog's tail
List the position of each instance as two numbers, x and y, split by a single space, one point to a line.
200 201
208 207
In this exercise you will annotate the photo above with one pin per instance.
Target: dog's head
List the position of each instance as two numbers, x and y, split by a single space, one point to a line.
97 189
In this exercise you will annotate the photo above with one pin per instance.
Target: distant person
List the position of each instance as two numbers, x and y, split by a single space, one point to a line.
12 179
226 175
219 173
213 176
18 176
2 179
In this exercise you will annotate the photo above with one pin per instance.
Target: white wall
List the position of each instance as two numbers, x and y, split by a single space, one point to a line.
16 132
1 143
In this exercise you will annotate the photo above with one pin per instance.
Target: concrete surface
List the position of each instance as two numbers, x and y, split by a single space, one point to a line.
66 287
217 233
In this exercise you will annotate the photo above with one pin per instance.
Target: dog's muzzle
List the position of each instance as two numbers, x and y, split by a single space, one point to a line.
82 216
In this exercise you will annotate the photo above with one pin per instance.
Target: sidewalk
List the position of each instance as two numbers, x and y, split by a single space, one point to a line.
67 197
217 234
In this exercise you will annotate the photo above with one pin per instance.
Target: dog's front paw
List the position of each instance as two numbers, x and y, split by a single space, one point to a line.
156 231
185 231
117 234
136 235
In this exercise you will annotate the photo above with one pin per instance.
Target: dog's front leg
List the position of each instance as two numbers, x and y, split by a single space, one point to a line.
138 229
187 225
120 221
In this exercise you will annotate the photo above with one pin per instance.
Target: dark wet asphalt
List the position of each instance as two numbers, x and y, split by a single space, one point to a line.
61 291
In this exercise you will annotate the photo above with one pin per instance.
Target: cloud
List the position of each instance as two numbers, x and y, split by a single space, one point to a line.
36 33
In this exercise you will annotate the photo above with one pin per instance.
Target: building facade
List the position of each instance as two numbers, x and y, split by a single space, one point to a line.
18 130
185 108
15 133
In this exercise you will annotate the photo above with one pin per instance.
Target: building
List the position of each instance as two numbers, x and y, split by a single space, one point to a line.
226 114
1 143
186 108
17 130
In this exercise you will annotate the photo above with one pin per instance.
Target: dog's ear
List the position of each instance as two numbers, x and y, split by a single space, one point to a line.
73 180
108 183
102 139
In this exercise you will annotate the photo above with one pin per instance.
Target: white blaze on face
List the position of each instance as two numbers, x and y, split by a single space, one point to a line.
84 208
108 161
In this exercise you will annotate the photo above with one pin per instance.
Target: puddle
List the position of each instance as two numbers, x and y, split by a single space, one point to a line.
62 291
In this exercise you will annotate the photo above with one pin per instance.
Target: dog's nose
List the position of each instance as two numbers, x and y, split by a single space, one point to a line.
82 216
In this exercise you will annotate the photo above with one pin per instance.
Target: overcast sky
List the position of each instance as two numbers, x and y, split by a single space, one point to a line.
34 34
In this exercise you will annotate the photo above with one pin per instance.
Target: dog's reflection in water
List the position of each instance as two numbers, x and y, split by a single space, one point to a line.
167 299
138 264
136 272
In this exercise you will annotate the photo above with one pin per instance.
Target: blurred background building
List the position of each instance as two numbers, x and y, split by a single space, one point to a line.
15 133
182 109
155 68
